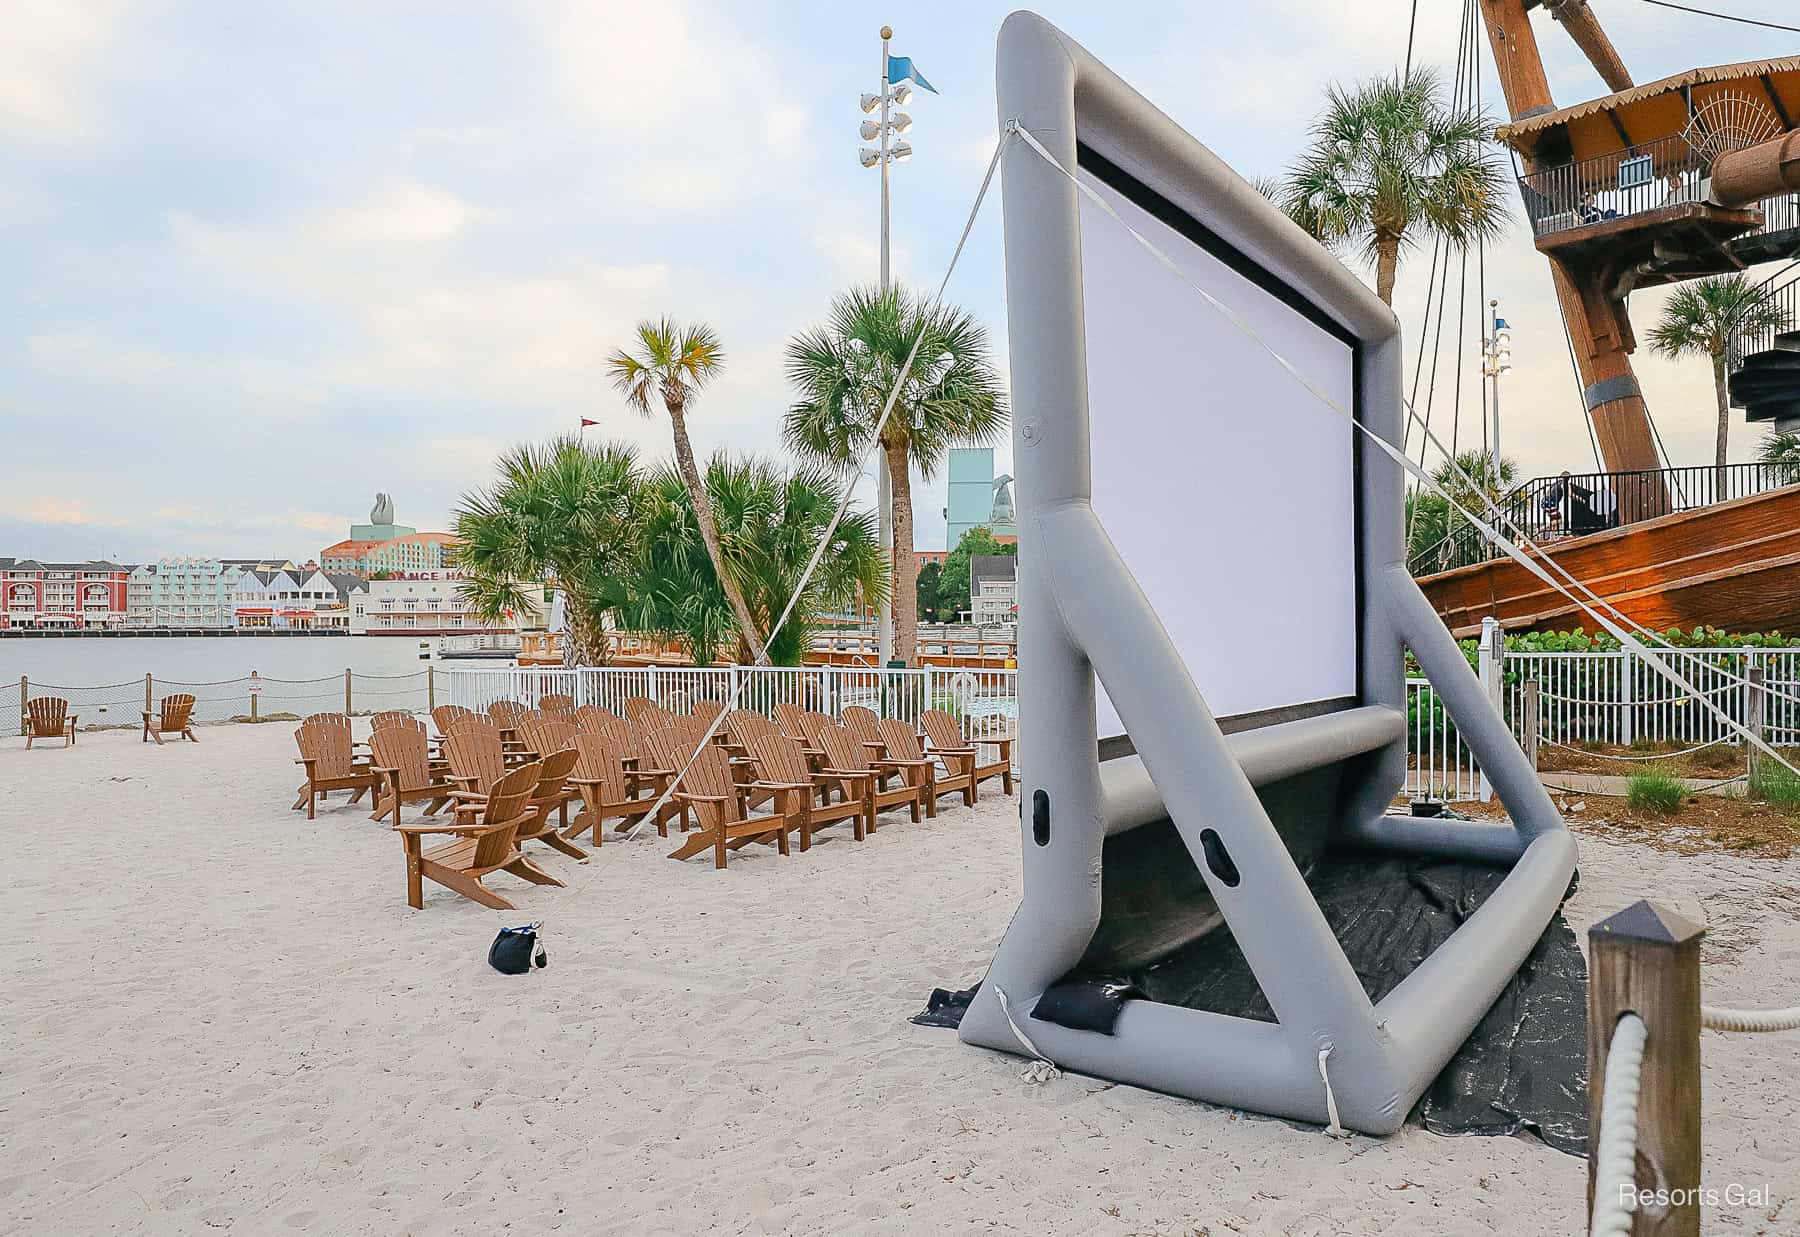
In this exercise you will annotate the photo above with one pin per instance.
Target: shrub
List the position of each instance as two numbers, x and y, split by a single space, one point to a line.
1650 791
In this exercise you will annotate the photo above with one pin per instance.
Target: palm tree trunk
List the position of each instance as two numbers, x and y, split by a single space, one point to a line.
1723 394
709 533
1387 266
904 591
587 638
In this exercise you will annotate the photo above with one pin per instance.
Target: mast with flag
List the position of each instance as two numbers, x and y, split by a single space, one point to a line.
896 71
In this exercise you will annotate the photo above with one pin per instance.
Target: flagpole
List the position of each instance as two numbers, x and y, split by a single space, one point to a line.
884 486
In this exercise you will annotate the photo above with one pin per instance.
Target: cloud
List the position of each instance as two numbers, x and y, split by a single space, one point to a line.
49 54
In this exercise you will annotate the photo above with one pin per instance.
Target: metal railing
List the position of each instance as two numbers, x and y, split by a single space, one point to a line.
1785 296
1633 181
1551 508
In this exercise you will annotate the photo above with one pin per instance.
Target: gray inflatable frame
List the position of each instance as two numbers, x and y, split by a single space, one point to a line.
1086 615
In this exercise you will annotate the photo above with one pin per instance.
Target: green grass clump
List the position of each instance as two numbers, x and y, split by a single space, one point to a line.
1650 791
1776 786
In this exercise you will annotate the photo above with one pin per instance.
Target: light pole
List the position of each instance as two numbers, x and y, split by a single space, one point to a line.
889 152
1496 359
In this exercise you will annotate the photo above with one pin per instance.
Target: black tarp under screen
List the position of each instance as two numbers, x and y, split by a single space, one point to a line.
1524 1067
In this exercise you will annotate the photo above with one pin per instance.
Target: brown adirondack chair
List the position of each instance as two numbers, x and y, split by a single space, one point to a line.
173 715
484 845
331 764
506 713
608 791
706 709
552 794
543 734
557 704
642 768
865 724
903 745
326 719
477 763
48 717
782 763
725 825
849 762
742 726
401 757
646 714
446 714
589 718
789 717
947 742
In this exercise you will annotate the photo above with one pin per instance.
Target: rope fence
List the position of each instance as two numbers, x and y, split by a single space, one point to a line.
252 698
1644 1024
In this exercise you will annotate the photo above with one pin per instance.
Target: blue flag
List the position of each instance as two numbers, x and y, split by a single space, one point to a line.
900 68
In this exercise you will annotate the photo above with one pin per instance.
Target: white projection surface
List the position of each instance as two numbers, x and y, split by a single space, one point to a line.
1227 488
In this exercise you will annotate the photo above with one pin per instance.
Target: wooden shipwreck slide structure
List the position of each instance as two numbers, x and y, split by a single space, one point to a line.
1697 174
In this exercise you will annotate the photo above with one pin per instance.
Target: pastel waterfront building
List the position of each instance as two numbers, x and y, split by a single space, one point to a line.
186 591
430 603
70 596
304 598
381 545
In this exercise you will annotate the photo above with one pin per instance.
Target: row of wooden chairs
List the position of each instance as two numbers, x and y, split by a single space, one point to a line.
48 717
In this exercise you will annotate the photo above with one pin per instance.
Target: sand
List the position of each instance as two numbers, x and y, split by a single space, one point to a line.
222 1018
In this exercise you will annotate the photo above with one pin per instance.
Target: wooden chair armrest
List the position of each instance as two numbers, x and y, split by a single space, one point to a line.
844 773
781 785
438 827
953 751
693 798
898 763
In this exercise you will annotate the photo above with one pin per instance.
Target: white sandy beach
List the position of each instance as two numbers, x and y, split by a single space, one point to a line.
220 1017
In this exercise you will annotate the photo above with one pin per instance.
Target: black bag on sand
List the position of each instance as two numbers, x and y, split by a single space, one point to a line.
511 952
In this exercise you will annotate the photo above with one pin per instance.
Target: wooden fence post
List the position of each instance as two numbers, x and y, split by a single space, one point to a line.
1754 709
348 707
149 695
24 706
1533 719
1645 960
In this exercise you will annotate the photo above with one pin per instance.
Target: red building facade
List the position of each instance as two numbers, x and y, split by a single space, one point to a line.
67 596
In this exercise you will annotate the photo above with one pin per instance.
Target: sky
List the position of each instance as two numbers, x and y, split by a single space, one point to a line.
263 261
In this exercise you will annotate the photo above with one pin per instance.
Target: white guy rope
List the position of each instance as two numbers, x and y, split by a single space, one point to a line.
818 554
1716 1019
1686 751
1042 1069
1512 551
1333 1128
1615 1153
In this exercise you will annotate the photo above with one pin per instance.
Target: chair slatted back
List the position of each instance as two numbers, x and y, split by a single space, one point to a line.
812 725
557 704
475 722
49 716
545 735
746 725
174 712
445 714
553 772
508 807
322 719
598 759
389 717
706 709
708 770
476 754
902 743
589 718
327 745
506 713
861 722
842 749
788 716
942 729
397 720
625 737
779 759
637 707
404 748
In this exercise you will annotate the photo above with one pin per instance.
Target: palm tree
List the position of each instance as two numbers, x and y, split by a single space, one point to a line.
769 520
1781 452
1703 317
843 372
673 362
1390 160
562 511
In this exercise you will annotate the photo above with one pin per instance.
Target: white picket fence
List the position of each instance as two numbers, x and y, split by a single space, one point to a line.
1614 698
985 701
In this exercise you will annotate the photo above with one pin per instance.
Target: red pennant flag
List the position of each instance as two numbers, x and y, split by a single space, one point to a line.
585 423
